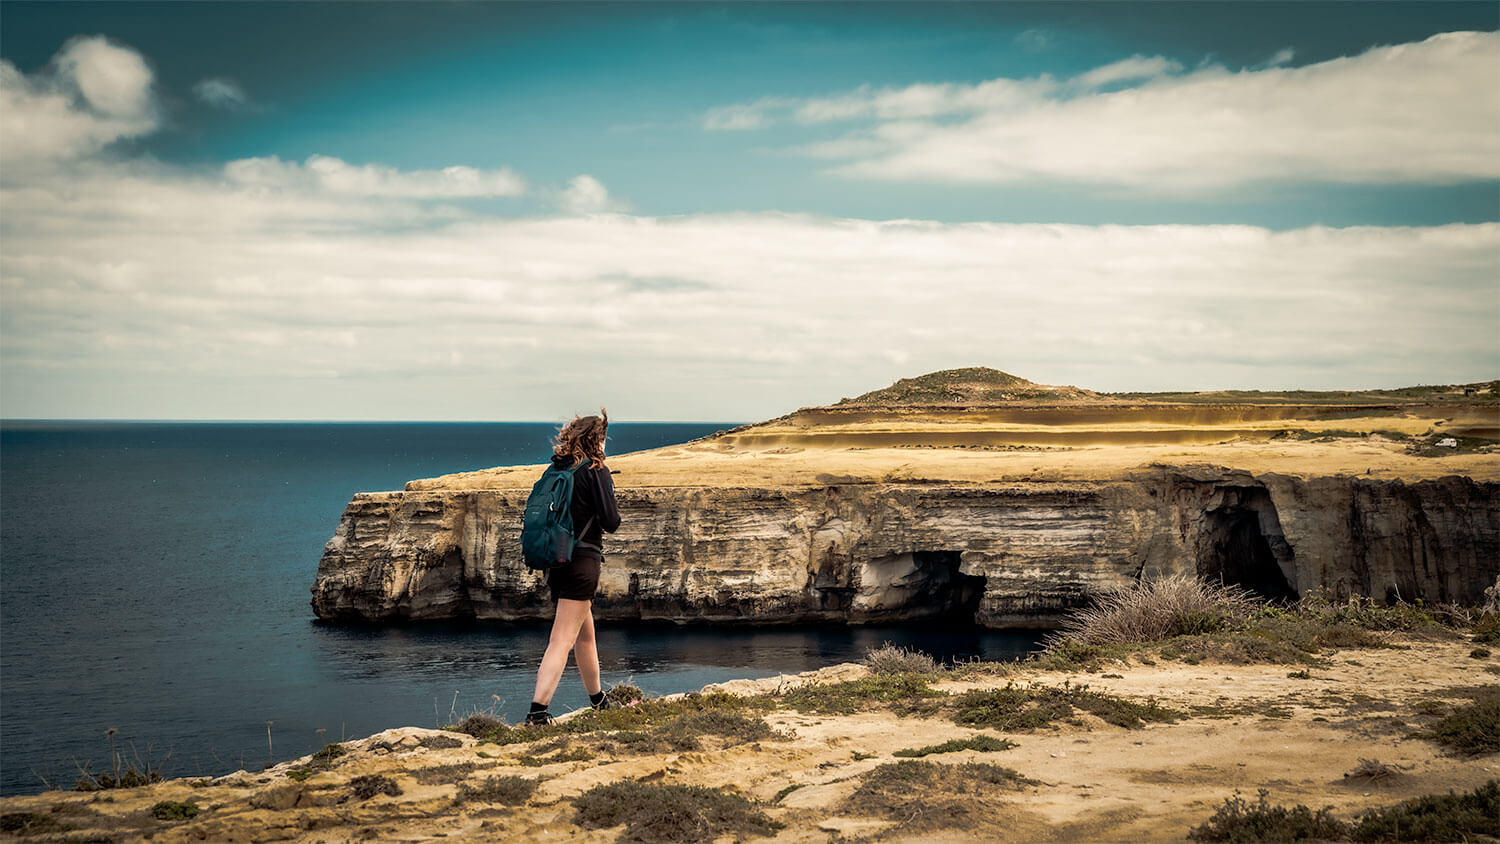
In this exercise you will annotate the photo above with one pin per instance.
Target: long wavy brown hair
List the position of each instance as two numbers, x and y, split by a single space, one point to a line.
583 439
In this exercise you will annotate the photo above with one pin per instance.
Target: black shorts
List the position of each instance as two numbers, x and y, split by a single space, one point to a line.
577 580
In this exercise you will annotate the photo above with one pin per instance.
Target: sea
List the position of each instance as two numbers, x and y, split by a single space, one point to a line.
154 600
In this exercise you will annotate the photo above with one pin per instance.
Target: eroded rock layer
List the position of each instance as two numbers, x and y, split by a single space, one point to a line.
1005 554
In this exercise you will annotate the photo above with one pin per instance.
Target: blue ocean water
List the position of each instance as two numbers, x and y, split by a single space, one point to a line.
154 580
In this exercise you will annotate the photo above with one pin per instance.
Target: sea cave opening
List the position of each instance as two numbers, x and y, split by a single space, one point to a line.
918 586
1234 550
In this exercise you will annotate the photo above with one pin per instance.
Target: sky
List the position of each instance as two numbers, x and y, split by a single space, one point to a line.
725 211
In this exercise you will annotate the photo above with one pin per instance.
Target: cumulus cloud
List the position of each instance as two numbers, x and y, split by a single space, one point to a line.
331 175
93 93
137 286
587 195
1425 112
221 93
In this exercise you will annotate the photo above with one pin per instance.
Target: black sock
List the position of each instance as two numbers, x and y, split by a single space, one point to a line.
537 707
597 698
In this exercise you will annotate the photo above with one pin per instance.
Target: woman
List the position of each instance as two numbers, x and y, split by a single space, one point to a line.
573 585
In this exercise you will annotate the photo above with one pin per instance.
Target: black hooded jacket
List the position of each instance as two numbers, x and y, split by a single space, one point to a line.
594 508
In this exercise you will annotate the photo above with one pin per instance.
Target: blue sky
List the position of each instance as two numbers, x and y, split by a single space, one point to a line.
241 210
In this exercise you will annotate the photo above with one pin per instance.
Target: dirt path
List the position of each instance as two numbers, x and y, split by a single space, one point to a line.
1248 727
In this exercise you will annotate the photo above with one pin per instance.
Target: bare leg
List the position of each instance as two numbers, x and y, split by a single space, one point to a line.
586 654
565 625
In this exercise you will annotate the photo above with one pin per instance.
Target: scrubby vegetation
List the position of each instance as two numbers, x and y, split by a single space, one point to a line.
903 693
1180 618
171 810
1472 729
929 795
890 659
507 791
1015 708
1239 820
1435 817
320 761
981 742
369 785
670 813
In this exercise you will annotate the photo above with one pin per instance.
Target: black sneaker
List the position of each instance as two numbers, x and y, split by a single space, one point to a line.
538 719
605 703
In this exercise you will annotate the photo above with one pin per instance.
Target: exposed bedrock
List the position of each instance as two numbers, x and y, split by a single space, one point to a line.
1001 556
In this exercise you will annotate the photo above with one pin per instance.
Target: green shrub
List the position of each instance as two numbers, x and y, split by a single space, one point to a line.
1014 708
904 693
507 791
947 795
1479 653
439 774
128 778
170 810
1238 820
981 742
624 694
31 823
320 761
1486 629
479 725
670 813
1435 817
890 659
1472 729
369 785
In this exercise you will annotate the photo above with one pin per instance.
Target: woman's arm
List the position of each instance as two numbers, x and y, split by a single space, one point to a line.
609 512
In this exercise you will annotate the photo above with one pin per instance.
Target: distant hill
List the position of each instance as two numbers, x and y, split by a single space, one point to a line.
980 385
972 385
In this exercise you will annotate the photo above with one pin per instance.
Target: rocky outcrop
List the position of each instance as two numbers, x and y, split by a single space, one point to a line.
1016 554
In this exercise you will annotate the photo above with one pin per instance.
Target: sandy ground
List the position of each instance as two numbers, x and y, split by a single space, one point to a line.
1295 736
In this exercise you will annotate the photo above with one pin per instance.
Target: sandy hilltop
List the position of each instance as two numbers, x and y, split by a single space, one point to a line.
981 425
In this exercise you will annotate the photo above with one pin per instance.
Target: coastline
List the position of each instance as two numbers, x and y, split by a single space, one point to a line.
1297 733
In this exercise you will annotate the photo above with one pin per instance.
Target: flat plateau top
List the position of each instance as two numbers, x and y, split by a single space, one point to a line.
1028 442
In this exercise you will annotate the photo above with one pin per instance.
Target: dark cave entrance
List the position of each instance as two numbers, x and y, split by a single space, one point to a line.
1235 551
918 586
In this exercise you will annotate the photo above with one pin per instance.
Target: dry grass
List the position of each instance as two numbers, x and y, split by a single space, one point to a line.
891 659
1157 610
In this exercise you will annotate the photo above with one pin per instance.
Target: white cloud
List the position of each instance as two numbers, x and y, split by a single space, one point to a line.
586 195
142 290
221 93
330 175
1426 112
93 93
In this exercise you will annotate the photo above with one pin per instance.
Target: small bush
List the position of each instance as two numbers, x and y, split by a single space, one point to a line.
576 754
943 793
1371 771
1435 817
369 785
170 810
1015 708
320 761
982 742
439 774
507 791
624 694
903 693
890 659
128 778
440 742
1479 653
670 813
1156 610
1239 820
479 725
1486 629
31 823
1472 729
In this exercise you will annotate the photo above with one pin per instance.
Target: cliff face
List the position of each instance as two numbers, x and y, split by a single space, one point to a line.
1013 554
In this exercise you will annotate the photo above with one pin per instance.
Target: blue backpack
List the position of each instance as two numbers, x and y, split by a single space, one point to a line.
547 535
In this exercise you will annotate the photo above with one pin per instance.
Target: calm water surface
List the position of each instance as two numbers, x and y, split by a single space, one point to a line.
154 579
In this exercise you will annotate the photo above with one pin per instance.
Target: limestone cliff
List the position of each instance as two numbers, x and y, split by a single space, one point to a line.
945 497
1009 555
